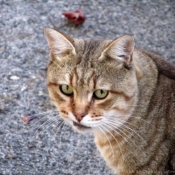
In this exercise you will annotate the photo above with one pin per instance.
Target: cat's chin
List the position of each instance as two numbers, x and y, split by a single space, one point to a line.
81 128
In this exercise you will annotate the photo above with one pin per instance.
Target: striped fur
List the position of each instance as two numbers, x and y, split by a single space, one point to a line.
134 126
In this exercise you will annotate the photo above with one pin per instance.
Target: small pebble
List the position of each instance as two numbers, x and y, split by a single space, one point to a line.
14 77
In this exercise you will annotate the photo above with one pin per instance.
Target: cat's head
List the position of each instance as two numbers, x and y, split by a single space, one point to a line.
93 83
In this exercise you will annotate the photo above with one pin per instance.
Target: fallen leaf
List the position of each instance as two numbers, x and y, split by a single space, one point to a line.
76 17
27 118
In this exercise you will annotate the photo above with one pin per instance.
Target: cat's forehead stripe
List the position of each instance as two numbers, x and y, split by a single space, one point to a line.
88 49
83 78
90 46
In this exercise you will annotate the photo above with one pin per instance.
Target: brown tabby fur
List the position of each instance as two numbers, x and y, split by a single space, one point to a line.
134 126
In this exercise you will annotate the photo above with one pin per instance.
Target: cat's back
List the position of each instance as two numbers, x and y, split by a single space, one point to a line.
164 96
161 107
164 67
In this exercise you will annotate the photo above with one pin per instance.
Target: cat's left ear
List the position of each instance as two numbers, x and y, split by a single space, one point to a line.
120 49
59 43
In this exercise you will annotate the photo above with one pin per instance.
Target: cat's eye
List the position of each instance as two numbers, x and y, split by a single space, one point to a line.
100 94
66 89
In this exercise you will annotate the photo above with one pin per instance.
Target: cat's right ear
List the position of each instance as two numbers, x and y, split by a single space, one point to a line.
120 49
60 44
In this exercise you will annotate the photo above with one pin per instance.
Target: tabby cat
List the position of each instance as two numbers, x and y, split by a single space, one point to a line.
125 96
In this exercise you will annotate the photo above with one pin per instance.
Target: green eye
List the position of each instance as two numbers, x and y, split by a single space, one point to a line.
66 89
100 94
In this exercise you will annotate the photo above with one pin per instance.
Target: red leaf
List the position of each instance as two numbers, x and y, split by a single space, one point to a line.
76 17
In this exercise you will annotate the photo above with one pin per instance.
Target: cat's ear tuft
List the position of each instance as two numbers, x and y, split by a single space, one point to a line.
59 43
120 49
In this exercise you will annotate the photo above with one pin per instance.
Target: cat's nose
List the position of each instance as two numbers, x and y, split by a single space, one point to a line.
79 115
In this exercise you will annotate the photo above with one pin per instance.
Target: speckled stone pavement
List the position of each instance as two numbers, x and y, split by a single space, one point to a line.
41 148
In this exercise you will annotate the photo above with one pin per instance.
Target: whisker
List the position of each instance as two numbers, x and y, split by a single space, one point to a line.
37 122
43 113
135 117
114 139
135 105
107 139
41 120
127 128
51 115
58 127
96 118
48 122
122 121
61 127
116 128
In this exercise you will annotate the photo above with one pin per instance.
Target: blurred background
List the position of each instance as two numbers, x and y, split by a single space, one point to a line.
45 145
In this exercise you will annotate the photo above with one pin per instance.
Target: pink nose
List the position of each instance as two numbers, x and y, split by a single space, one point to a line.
79 115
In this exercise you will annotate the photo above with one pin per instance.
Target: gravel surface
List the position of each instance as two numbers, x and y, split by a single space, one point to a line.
41 147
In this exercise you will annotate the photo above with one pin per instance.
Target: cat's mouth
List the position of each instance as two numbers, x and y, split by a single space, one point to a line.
80 126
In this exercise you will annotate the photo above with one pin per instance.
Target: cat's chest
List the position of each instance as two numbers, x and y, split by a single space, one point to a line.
115 152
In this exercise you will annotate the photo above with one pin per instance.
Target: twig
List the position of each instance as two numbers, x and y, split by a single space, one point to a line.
54 25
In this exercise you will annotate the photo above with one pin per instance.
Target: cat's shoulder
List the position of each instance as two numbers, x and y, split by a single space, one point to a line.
164 66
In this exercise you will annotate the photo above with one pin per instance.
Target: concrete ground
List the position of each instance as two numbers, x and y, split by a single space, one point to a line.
42 148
